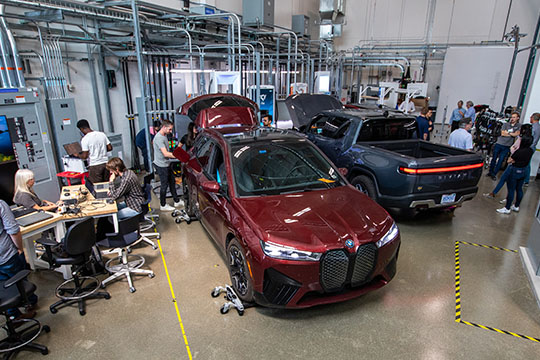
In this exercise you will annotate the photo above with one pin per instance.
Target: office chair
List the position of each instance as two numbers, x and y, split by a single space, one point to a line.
147 221
77 251
121 265
13 297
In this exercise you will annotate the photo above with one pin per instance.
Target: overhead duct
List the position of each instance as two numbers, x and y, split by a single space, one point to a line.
12 67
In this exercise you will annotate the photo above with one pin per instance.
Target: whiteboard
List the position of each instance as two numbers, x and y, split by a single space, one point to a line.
479 74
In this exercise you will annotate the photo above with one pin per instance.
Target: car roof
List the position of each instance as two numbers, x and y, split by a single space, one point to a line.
367 114
243 134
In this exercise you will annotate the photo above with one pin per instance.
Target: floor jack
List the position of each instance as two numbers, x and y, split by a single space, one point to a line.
232 300
181 215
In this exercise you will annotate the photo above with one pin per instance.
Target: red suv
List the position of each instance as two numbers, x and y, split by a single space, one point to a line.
294 231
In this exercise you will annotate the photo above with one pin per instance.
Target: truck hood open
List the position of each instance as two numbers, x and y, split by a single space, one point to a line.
317 220
303 107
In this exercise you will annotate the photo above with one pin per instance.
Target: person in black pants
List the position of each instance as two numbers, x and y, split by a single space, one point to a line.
162 166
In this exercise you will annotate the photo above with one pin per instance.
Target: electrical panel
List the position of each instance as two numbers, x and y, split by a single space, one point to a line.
300 25
258 12
63 119
25 129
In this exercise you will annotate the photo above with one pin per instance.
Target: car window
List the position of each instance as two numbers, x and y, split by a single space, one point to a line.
217 170
272 168
385 129
203 153
330 126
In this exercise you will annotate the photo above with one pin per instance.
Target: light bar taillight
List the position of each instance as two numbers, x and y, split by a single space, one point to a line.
439 169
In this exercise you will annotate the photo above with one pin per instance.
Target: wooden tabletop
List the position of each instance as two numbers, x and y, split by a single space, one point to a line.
89 207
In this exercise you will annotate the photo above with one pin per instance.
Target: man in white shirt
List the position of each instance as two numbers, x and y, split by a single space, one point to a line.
462 138
95 146
407 106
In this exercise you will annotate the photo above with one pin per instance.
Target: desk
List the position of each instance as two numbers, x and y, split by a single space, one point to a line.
90 207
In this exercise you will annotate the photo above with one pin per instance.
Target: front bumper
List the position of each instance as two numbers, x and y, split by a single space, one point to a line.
294 284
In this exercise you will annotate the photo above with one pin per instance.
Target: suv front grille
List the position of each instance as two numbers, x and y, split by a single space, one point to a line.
339 268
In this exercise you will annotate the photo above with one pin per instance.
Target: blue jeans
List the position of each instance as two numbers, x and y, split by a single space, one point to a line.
499 153
125 212
502 180
528 172
515 185
7 270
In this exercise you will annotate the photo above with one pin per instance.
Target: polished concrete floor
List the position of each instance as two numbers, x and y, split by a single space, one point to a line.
410 318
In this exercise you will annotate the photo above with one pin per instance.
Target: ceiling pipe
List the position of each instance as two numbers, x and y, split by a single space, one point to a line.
16 59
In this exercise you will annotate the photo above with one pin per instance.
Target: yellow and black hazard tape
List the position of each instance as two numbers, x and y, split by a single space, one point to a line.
458 294
487 246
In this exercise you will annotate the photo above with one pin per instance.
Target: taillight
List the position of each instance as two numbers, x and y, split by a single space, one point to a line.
410 171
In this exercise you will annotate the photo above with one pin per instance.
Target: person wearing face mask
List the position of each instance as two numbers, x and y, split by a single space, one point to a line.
95 146
164 171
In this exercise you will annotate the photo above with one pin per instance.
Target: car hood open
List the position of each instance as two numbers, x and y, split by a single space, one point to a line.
316 220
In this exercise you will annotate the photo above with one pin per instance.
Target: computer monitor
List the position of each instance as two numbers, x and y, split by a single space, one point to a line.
6 146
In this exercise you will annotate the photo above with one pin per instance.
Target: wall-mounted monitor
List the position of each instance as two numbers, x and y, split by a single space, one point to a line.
6 147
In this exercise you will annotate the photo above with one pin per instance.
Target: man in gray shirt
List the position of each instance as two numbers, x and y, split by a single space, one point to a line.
509 132
161 164
11 254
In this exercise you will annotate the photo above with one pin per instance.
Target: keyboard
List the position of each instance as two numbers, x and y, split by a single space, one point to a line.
34 218
21 211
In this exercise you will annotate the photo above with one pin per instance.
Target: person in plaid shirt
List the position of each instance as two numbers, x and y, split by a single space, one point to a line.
127 186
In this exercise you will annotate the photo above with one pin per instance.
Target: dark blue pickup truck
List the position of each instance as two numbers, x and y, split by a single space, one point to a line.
383 158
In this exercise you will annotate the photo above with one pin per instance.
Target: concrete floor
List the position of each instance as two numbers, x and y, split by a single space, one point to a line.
410 318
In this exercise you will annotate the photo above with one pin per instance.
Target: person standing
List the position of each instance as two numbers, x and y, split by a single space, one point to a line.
470 112
407 106
140 142
519 161
457 115
95 146
189 138
164 171
11 255
267 120
535 118
509 131
462 138
422 123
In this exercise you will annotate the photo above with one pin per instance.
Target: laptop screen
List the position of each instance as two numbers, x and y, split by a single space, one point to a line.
73 148
90 187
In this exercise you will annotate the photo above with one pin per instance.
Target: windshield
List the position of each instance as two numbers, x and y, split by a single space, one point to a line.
280 167
387 129
215 102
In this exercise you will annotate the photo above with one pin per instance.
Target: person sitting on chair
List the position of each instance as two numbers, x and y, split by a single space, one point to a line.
25 195
128 187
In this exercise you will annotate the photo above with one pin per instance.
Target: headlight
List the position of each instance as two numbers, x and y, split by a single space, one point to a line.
389 236
288 253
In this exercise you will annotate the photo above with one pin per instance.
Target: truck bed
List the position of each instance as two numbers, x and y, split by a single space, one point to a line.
417 149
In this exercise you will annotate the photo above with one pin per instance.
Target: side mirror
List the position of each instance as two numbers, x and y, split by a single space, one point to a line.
343 171
210 186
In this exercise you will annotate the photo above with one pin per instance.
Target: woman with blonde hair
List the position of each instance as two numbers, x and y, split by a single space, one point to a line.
25 195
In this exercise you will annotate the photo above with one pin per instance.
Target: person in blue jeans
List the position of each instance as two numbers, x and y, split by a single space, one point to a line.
11 255
509 132
535 119
519 160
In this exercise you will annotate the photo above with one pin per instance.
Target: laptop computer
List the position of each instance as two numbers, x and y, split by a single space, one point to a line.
97 191
73 149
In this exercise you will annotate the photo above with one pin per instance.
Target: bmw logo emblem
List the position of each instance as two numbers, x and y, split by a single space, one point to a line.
349 243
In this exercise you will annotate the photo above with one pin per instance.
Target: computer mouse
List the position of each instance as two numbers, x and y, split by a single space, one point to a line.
110 201
66 193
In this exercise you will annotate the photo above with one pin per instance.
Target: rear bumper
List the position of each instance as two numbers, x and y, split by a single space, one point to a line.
428 200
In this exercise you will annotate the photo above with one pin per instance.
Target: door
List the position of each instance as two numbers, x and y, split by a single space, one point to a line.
328 132
202 153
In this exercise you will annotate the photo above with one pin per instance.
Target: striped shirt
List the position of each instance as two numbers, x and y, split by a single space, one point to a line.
130 189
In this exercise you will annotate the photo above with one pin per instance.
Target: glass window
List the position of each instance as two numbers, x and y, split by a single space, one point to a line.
277 167
203 152
331 127
387 129
217 171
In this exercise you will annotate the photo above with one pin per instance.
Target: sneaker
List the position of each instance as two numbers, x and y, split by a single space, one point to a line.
503 211
514 208
179 203
503 201
489 195
167 207
493 177
525 184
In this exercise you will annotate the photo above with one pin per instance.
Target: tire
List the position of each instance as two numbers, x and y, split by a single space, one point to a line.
191 207
238 271
365 185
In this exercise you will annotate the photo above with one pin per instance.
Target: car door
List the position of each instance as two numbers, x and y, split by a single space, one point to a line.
327 132
202 153
219 207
